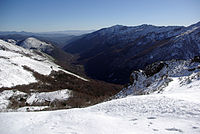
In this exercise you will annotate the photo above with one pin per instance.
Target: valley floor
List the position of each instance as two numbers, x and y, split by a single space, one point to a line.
176 110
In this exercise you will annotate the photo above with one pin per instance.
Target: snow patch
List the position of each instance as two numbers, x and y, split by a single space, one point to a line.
48 96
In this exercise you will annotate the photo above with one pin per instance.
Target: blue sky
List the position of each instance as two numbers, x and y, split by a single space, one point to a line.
59 15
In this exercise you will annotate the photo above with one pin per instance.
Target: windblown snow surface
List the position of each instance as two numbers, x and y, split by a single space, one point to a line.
176 110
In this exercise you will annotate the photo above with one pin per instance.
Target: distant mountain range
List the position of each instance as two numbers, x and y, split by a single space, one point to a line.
111 54
68 32
58 38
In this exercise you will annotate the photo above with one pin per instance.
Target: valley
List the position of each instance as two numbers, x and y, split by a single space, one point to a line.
120 79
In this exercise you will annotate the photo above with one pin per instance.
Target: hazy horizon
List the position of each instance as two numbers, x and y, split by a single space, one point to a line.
51 31
89 30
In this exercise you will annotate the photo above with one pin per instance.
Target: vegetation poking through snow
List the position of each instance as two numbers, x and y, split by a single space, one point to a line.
84 93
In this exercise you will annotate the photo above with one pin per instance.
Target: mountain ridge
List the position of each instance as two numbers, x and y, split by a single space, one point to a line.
123 49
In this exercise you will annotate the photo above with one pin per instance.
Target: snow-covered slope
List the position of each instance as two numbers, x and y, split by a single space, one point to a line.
33 43
12 41
177 110
13 59
172 107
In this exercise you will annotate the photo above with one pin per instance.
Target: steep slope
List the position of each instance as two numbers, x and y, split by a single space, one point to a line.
176 110
16 58
26 72
61 57
111 54
164 77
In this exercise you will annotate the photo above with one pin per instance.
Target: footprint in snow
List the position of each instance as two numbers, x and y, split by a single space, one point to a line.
73 133
174 129
195 127
151 118
150 123
155 129
133 119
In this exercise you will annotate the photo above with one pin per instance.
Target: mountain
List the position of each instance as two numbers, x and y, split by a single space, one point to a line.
31 80
170 105
33 43
111 54
61 58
